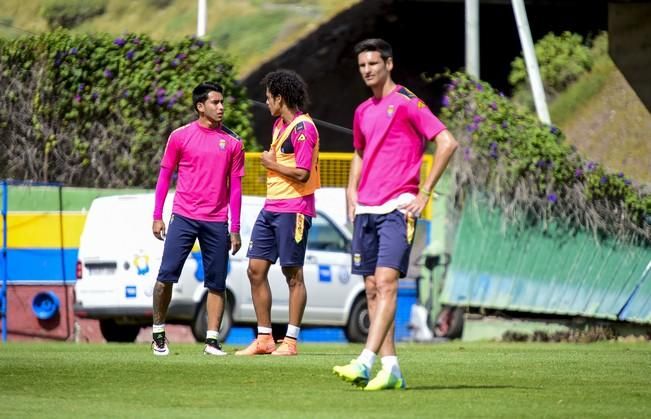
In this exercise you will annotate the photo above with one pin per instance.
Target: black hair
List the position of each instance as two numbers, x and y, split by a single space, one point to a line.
375 44
200 93
289 85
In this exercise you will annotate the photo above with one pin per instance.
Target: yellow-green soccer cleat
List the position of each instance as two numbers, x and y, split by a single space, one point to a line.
354 372
384 380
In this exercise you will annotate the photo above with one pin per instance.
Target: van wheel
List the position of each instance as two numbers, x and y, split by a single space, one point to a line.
359 320
114 332
200 322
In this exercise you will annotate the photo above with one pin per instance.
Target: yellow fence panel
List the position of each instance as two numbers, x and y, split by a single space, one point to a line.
334 173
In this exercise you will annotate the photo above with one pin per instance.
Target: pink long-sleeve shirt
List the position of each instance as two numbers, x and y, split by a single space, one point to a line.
210 166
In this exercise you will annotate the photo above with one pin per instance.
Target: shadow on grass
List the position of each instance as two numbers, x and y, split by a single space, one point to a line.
332 354
468 387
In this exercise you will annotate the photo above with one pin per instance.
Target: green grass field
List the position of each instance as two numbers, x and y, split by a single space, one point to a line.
446 380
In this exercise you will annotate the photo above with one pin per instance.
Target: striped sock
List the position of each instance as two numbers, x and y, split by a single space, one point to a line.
212 334
158 331
292 331
262 330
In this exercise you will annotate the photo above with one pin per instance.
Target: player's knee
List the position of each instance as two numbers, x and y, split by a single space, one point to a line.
293 277
387 288
295 282
256 276
371 294
163 286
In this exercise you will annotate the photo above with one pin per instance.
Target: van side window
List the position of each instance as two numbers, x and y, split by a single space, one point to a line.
325 236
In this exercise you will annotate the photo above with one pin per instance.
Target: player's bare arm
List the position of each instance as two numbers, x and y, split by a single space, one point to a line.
268 160
353 182
446 145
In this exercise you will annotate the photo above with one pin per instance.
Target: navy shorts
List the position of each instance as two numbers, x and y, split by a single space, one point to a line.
280 234
382 240
214 241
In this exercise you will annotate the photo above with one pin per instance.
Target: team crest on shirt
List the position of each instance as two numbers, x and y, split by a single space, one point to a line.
222 144
301 137
390 110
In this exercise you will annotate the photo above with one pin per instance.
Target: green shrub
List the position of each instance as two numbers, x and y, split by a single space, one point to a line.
561 59
97 110
159 4
528 169
70 13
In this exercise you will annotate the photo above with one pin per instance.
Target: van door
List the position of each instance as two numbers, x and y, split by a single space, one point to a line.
327 272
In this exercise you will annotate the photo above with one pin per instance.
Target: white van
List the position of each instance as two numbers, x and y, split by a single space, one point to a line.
119 259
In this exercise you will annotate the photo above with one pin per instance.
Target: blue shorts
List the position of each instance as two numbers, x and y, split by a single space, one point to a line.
280 234
382 240
214 241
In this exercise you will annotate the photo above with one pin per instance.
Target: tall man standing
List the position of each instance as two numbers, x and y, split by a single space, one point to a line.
210 163
282 226
390 134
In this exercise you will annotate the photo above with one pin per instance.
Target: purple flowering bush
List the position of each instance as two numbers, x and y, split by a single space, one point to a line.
528 167
95 110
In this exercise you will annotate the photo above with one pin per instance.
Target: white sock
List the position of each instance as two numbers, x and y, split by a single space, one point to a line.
159 328
212 334
292 331
264 330
390 363
367 358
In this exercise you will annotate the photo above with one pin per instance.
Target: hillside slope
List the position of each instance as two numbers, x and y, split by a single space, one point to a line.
250 30
613 128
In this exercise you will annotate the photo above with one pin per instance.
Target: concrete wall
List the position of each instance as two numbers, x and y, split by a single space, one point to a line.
22 322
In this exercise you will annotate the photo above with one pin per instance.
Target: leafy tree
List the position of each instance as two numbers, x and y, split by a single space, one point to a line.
562 59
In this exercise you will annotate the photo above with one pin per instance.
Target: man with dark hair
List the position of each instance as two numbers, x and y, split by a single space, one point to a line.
390 134
282 226
375 45
209 159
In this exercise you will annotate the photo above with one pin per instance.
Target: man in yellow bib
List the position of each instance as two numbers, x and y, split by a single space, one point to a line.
282 226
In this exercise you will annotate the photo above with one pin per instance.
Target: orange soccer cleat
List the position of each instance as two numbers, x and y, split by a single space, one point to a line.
287 348
262 345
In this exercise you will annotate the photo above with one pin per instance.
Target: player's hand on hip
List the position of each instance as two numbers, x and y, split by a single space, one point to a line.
158 228
236 242
416 207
